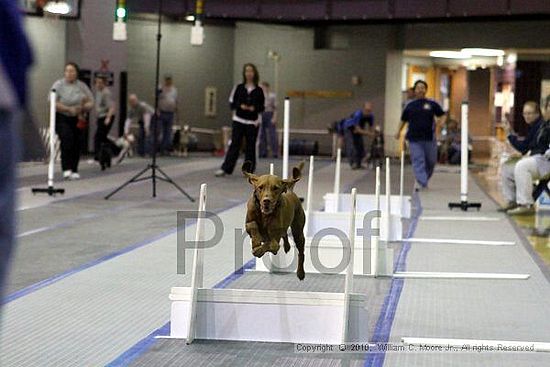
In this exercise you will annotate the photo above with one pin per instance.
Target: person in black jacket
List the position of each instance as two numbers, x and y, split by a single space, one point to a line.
518 175
247 103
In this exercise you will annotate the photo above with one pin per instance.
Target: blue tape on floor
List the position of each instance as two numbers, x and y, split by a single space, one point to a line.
387 313
56 278
144 344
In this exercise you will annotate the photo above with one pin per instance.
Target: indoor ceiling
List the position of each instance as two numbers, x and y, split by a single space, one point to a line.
349 10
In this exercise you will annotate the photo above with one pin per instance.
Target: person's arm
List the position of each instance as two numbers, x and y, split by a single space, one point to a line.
404 120
232 101
368 132
275 109
398 133
147 122
88 101
60 107
260 103
127 126
111 110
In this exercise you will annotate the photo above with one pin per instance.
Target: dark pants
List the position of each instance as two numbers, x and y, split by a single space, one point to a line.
9 149
268 135
167 120
240 131
142 144
101 134
355 148
69 135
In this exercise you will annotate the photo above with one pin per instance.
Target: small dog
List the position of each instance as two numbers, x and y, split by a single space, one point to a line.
105 156
271 210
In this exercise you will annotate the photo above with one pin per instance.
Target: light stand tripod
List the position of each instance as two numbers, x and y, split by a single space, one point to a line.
153 165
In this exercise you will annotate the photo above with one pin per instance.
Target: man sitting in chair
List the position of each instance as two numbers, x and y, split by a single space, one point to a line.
518 175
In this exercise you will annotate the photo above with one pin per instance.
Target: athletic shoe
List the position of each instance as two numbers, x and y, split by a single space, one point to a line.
522 210
74 176
220 173
509 206
67 174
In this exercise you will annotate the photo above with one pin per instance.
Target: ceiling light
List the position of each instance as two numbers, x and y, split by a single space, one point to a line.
450 54
57 7
489 52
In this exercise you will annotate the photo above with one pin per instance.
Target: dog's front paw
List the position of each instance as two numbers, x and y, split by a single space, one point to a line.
301 274
274 247
258 251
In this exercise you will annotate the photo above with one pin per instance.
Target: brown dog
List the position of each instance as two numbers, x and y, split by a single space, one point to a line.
271 210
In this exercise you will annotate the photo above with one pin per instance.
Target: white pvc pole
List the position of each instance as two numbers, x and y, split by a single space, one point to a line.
198 264
271 169
376 226
387 208
309 194
349 271
464 153
286 135
51 164
401 179
337 180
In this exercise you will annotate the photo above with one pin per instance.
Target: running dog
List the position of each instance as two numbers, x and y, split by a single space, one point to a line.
271 210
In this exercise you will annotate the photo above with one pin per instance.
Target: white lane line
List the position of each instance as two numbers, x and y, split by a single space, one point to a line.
448 275
465 219
459 241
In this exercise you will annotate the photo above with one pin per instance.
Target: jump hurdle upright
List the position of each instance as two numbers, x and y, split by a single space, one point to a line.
276 316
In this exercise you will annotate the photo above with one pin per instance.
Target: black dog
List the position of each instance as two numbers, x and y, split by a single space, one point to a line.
105 156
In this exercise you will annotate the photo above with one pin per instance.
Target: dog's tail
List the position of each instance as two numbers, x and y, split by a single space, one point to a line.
296 174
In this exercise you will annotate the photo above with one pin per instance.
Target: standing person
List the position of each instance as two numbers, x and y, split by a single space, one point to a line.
139 113
268 132
105 111
15 59
247 102
422 115
73 98
360 123
518 175
168 107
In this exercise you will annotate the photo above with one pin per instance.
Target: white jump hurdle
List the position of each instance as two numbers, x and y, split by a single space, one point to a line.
262 315
340 202
329 252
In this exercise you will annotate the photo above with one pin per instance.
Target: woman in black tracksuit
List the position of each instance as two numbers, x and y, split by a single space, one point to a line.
247 103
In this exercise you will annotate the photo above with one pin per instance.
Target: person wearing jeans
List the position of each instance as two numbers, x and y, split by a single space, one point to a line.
422 115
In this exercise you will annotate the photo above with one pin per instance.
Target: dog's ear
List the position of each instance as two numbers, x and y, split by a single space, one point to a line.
247 168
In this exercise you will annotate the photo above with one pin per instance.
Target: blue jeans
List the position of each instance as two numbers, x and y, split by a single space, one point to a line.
9 149
423 157
166 120
268 133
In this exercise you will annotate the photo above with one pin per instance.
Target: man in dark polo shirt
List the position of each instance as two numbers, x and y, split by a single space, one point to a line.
422 115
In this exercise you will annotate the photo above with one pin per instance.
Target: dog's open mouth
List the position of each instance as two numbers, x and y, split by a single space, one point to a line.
266 208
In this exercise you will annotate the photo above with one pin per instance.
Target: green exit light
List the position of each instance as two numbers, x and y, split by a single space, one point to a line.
121 13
